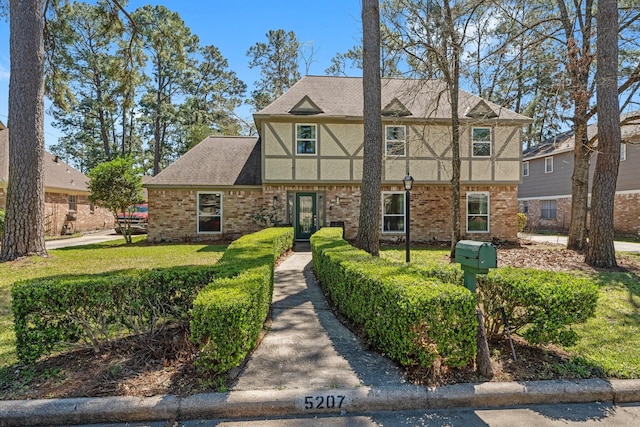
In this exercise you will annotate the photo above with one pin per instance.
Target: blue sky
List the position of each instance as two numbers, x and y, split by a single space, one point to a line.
332 26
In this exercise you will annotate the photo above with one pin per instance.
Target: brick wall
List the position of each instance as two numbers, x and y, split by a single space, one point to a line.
430 209
626 214
56 208
172 213
173 216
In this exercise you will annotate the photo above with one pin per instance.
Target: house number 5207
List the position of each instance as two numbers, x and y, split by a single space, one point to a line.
323 402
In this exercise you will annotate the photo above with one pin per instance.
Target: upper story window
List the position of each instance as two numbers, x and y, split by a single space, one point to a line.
623 152
481 142
396 141
525 169
548 164
478 212
73 202
306 139
209 213
393 212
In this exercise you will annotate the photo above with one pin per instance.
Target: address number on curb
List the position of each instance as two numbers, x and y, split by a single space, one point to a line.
324 402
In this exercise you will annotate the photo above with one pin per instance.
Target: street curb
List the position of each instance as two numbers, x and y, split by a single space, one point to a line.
246 404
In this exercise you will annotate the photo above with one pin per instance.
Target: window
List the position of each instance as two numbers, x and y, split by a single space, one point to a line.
525 169
478 212
525 207
306 139
481 142
548 164
395 141
393 212
623 152
73 202
209 213
549 209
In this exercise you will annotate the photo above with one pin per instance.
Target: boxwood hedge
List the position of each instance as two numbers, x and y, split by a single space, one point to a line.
411 318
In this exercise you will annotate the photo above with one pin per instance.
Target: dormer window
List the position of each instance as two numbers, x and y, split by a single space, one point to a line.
306 139
396 141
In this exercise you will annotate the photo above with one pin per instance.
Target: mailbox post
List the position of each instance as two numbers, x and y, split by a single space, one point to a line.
475 258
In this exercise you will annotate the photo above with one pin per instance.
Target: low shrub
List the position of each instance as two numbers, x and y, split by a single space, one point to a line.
540 305
412 319
228 314
2 216
522 222
96 308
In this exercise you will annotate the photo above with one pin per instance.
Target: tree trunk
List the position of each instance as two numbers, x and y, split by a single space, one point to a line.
577 237
24 227
601 251
483 356
368 237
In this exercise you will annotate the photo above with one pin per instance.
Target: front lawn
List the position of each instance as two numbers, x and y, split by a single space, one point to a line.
608 342
89 259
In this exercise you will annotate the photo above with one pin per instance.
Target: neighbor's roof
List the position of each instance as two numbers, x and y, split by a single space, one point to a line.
58 176
216 161
326 96
564 142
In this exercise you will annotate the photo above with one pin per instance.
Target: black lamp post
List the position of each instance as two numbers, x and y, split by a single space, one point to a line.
408 183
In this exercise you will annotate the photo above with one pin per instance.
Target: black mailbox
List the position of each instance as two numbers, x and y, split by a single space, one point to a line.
475 258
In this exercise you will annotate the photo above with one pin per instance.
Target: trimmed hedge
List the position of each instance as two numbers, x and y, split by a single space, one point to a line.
412 319
229 313
97 308
540 305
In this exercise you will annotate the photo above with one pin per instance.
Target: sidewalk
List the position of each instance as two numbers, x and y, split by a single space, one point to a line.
559 239
309 363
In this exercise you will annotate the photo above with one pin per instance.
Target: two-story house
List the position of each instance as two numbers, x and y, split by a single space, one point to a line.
545 193
307 163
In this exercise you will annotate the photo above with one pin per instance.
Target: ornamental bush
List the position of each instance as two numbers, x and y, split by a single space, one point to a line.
95 309
228 314
540 305
411 318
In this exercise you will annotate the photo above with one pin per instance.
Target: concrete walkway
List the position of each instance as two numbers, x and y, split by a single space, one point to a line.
562 240
306 346
309 364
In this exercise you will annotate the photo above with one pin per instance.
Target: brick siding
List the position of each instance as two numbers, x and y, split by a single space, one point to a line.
172 213
626 214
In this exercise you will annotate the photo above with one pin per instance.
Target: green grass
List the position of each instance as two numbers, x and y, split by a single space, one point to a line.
608 342
90 259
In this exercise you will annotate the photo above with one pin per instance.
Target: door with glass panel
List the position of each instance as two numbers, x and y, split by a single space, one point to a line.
306 215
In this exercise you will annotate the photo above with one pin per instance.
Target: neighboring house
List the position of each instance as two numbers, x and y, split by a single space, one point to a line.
545 193
307 164
67 207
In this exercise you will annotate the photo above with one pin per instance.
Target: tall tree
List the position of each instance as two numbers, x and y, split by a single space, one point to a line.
368 237
279 66
91 80
601 251
23 232
170 46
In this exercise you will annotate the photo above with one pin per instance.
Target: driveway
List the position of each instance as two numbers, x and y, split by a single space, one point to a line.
86 239
562 240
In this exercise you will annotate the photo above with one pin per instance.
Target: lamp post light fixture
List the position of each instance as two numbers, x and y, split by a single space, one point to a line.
408 183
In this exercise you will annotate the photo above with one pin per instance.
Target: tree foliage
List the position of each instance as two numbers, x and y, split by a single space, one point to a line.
116 185
278 63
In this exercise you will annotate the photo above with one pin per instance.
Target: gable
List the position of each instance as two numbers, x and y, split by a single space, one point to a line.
481 111
395 108
305 107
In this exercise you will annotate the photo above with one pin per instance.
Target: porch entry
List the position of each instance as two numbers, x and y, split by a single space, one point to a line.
306 215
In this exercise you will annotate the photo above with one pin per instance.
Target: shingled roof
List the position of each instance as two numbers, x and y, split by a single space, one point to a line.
58 176
565 141
416 99
216 161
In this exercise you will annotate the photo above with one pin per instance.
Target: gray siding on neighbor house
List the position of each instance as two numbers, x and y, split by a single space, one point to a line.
629 172
540 185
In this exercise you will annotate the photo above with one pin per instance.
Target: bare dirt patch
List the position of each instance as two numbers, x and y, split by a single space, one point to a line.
164 363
